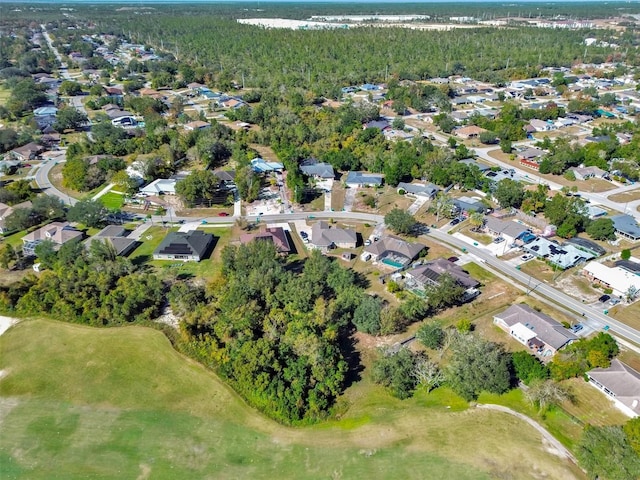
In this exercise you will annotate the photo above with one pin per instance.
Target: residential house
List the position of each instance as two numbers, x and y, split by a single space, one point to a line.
233 103
114 93
419 189
58 232
117 236
226 176
541 125
380 124
587 246
471 162
262 166
468 132
596 212
619 382
48 111
161 186
275 235
8 166
6 211
363 179
27 152
585 173
429 274
622 282
196 125
393 251
190 246
632 265
320 170
508 230
563 256
540 333
325 237
395 135
467 204
531 157
626 226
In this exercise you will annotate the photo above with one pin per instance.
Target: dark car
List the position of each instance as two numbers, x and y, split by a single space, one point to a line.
604 298
455 221
453 259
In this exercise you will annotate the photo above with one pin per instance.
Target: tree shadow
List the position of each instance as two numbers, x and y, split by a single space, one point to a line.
141 260
353 358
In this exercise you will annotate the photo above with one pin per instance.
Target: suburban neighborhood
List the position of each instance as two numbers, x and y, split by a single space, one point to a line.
471 241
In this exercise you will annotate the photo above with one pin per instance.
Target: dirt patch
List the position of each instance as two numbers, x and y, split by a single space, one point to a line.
576 288
629 196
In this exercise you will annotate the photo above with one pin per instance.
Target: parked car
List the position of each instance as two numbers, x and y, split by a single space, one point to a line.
604 298
223 214
498 240
453 259
303 234
577 327
367 243
455 221
614 301
526 257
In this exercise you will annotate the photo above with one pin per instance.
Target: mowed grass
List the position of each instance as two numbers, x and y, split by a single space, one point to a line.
120 403
113 201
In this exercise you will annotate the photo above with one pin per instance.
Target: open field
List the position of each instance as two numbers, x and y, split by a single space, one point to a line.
629 196
121 403
591 405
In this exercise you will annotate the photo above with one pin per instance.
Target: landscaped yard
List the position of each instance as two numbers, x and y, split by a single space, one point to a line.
121 403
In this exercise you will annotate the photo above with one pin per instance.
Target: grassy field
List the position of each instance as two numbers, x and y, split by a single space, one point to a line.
121 403
112 201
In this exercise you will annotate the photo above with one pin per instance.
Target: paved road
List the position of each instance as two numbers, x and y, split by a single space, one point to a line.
593 319
42 179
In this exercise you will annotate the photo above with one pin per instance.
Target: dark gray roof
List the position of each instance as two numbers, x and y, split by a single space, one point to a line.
193 243
225 175
117 236
588 245
322 170
364 178
434 269
627 225
629 266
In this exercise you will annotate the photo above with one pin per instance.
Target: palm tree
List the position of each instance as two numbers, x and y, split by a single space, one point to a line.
442 204
476 219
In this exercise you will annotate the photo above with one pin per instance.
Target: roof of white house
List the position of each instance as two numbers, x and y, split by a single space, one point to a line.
622 381
161 185
619 279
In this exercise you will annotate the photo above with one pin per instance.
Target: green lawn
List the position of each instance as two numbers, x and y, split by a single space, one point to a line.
79 402
113 201
206 268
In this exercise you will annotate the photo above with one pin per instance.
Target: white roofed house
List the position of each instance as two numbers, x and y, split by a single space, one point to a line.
543 335
161 186
623 283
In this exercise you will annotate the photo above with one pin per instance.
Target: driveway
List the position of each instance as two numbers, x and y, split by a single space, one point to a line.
349 198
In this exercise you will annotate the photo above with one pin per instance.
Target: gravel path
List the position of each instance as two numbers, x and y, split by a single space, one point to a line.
553 445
